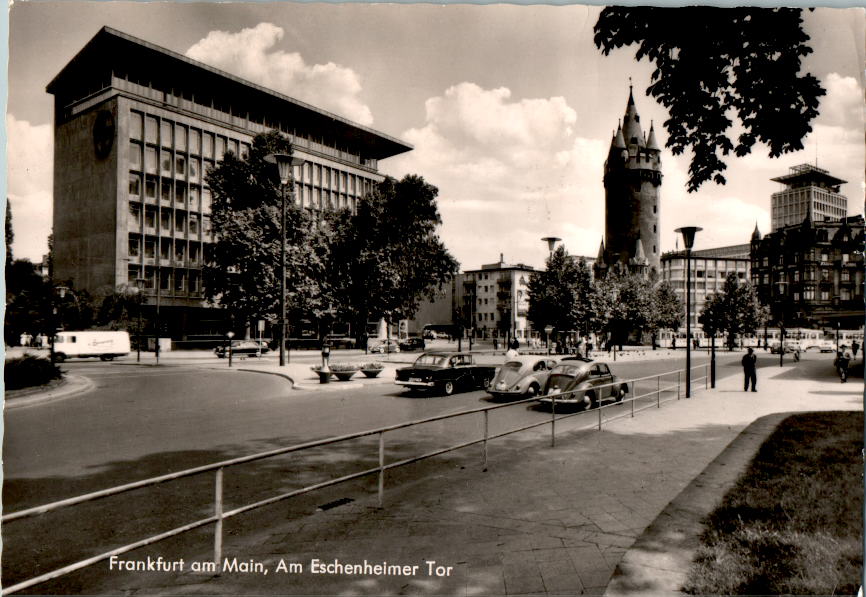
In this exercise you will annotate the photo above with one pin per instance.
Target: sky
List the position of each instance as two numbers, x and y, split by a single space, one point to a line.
510 109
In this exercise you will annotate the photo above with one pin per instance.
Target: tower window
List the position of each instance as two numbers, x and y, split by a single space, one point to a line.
654 209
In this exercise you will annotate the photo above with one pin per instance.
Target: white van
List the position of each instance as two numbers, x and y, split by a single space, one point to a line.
105 345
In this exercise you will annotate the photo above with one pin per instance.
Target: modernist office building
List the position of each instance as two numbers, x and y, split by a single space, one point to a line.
710 268
136 127
810 192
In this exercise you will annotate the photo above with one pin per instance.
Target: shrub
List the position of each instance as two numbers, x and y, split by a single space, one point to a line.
29 371
340 367
372 366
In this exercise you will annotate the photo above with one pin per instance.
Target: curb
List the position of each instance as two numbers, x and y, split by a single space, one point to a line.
659 561
72 385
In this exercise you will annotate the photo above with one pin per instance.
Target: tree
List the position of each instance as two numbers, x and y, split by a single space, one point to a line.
242 269
713 63
387 257
668 310
561 294
734 311
120 308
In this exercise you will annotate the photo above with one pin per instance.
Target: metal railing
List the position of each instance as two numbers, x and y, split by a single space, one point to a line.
220 514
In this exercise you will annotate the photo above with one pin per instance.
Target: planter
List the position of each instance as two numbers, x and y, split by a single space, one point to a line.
371 372
324 376
345 375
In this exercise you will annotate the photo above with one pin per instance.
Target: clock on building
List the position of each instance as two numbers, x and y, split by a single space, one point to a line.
103 134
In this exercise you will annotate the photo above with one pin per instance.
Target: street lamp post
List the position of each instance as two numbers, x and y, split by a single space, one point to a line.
548 330
285 165
688 233
139 285
551 243
230 334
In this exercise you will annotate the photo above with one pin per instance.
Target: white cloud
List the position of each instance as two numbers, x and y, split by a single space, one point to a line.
251 54
509 171
30 179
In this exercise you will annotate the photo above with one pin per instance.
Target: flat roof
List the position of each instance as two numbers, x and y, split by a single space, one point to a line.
117 52
808 173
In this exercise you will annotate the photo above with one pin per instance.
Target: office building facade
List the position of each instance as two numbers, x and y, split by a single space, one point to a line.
136 128
810 192
709 270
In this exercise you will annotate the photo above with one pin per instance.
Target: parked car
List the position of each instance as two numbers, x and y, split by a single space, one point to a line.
410 344
242 347
337 341
521 377
445 372
589 384
383 346
790 346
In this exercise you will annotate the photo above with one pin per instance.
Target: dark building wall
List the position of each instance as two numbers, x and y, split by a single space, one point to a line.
85 202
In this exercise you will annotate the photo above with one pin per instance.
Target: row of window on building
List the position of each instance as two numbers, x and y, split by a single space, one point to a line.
172 281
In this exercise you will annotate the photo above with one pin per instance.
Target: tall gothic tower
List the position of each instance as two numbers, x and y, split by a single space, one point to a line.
632 177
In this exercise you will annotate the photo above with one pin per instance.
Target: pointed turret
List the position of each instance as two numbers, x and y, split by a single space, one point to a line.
756 234
619 139
652 143
631 123
639 255
600 257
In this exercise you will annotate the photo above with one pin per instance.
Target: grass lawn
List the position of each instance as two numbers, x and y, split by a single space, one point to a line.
793 523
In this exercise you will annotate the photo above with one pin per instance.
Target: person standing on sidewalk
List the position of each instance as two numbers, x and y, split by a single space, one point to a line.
750 366
843 358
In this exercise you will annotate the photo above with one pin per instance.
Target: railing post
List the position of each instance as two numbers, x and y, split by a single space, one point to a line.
553 421
658 391
706 377
633 394
381 469
679 375
598 408
486 433
218 512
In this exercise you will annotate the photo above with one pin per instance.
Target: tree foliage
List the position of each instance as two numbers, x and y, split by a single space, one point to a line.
10 234
386 258
561 294
734 311
712 63
242 271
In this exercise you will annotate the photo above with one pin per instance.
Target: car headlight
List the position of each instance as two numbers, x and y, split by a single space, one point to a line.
500 385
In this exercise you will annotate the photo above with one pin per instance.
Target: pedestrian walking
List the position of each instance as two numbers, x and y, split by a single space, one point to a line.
750 373
25 339
843 358
855 346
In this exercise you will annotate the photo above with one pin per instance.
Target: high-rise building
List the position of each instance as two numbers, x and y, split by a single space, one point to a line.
632 177
808 191
136 127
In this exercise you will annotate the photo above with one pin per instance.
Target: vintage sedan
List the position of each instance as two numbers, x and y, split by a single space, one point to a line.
242 347
446 373
522 376
588 384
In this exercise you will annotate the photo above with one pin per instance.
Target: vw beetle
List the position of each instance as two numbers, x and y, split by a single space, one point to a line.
521 376
588 384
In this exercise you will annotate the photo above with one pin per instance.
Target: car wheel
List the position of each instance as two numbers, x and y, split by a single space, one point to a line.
621 393
590 397
106 357
448 388
532 391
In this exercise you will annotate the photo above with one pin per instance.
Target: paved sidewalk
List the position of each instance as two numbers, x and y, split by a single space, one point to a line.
539 520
